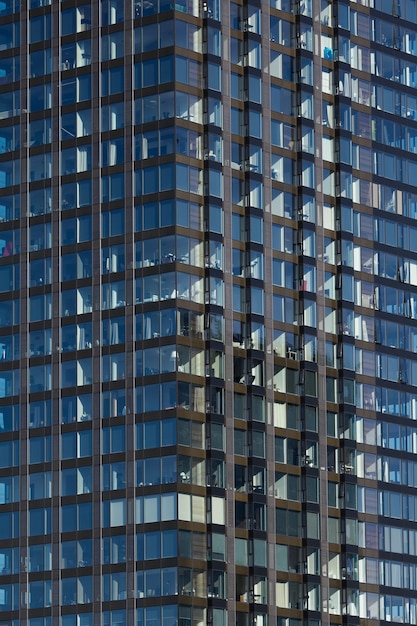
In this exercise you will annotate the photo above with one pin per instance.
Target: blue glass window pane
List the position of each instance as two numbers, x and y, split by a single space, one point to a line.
215 183
150 178
116 80
152 545
169 432
84 87
139 547
152 614
138 183
152 470
139 473
6 525
149 38
84 193
138 218
149 72
116 186
182 177
169 543
39 521
168 395
152 428
168 469
167 177
150 215
166 71
255 124
181 68
137 75
169 614
167 213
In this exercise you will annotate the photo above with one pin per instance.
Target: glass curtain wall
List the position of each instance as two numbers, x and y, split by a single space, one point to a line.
207 312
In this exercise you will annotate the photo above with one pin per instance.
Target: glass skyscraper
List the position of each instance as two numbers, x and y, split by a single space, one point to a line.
208 312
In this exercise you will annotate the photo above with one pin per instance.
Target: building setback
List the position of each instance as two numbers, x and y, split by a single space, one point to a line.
208 305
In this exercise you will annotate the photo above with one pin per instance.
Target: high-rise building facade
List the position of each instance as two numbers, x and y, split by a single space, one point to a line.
208 305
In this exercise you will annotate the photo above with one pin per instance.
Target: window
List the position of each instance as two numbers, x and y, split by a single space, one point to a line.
40 28
156 508
112 81
112 11
76 517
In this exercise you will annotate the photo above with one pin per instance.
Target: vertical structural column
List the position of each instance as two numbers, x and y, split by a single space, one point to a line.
320 299
56 299
24 299
268 319
228 314
129 190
